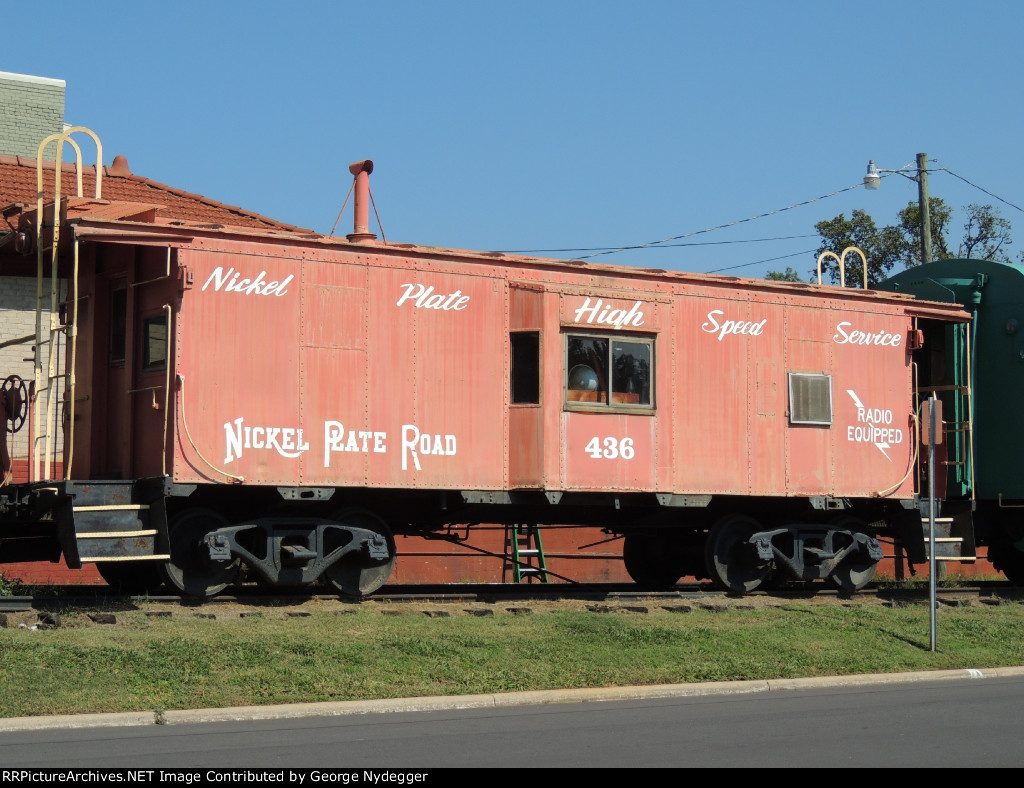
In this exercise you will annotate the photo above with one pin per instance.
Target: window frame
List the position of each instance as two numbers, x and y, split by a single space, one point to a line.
640 409
534 373
147 364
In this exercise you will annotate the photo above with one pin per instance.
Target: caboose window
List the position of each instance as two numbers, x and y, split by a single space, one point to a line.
525 367
597 365
810 398
154 343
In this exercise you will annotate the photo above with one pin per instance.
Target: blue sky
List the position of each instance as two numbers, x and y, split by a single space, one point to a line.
553 125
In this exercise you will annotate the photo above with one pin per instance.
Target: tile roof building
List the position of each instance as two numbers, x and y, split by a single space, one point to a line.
18 186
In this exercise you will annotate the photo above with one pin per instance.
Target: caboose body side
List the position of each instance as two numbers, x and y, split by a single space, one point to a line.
287 402
356 368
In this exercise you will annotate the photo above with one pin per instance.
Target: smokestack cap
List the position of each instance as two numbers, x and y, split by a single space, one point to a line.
361 166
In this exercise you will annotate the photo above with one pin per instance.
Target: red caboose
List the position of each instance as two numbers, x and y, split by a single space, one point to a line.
288 401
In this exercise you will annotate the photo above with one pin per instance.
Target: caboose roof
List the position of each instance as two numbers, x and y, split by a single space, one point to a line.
137 210
102 226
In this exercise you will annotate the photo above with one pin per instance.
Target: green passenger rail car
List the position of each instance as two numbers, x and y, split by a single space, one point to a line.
979 376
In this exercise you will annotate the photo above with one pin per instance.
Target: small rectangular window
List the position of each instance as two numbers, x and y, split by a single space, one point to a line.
118 324
154 343
605 370
525 367
810 398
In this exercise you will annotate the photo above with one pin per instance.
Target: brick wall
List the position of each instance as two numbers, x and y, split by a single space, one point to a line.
575 553
31 109
18 319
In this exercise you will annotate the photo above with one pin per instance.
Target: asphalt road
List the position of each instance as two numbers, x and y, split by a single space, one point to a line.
945 719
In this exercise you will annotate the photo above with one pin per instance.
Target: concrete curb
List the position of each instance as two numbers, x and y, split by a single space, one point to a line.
533 698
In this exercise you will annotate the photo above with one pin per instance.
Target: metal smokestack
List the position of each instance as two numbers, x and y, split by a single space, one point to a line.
361 227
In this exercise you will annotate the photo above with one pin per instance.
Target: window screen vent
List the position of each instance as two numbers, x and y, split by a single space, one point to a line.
810 398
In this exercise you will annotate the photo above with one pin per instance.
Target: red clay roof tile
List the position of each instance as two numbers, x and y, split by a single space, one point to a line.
18 185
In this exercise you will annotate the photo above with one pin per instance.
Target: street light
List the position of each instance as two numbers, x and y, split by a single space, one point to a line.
873 180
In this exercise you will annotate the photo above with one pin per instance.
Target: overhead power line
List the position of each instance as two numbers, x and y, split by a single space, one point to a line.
761 262
662 246
666 243
976 186
723 226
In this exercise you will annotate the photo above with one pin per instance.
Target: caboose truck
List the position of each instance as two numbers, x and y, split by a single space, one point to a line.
286 402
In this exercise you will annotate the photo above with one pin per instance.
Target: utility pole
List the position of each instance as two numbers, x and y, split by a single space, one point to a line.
874 179
926 217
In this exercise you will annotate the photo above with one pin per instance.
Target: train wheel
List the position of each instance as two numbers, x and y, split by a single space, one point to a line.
731 560
651 560
135 578
1005 557
359 573
855 572
191 571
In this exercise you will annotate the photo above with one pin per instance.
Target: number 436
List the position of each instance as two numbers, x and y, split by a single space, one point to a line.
610 448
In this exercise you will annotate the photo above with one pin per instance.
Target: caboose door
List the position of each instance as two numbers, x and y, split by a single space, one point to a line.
155 294
103 416
129 365
525 423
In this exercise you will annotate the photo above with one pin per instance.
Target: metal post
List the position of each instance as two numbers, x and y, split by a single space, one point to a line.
926 218
932 601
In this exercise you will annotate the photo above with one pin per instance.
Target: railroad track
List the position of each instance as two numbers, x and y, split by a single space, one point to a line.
80 598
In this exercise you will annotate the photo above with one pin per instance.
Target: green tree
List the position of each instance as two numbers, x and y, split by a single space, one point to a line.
986 234
883 248
789 275
910 228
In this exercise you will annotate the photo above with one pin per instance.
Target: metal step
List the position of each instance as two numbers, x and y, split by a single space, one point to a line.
954 538
948 548
118 520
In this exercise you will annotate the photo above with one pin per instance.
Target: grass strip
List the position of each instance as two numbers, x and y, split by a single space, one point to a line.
146 663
